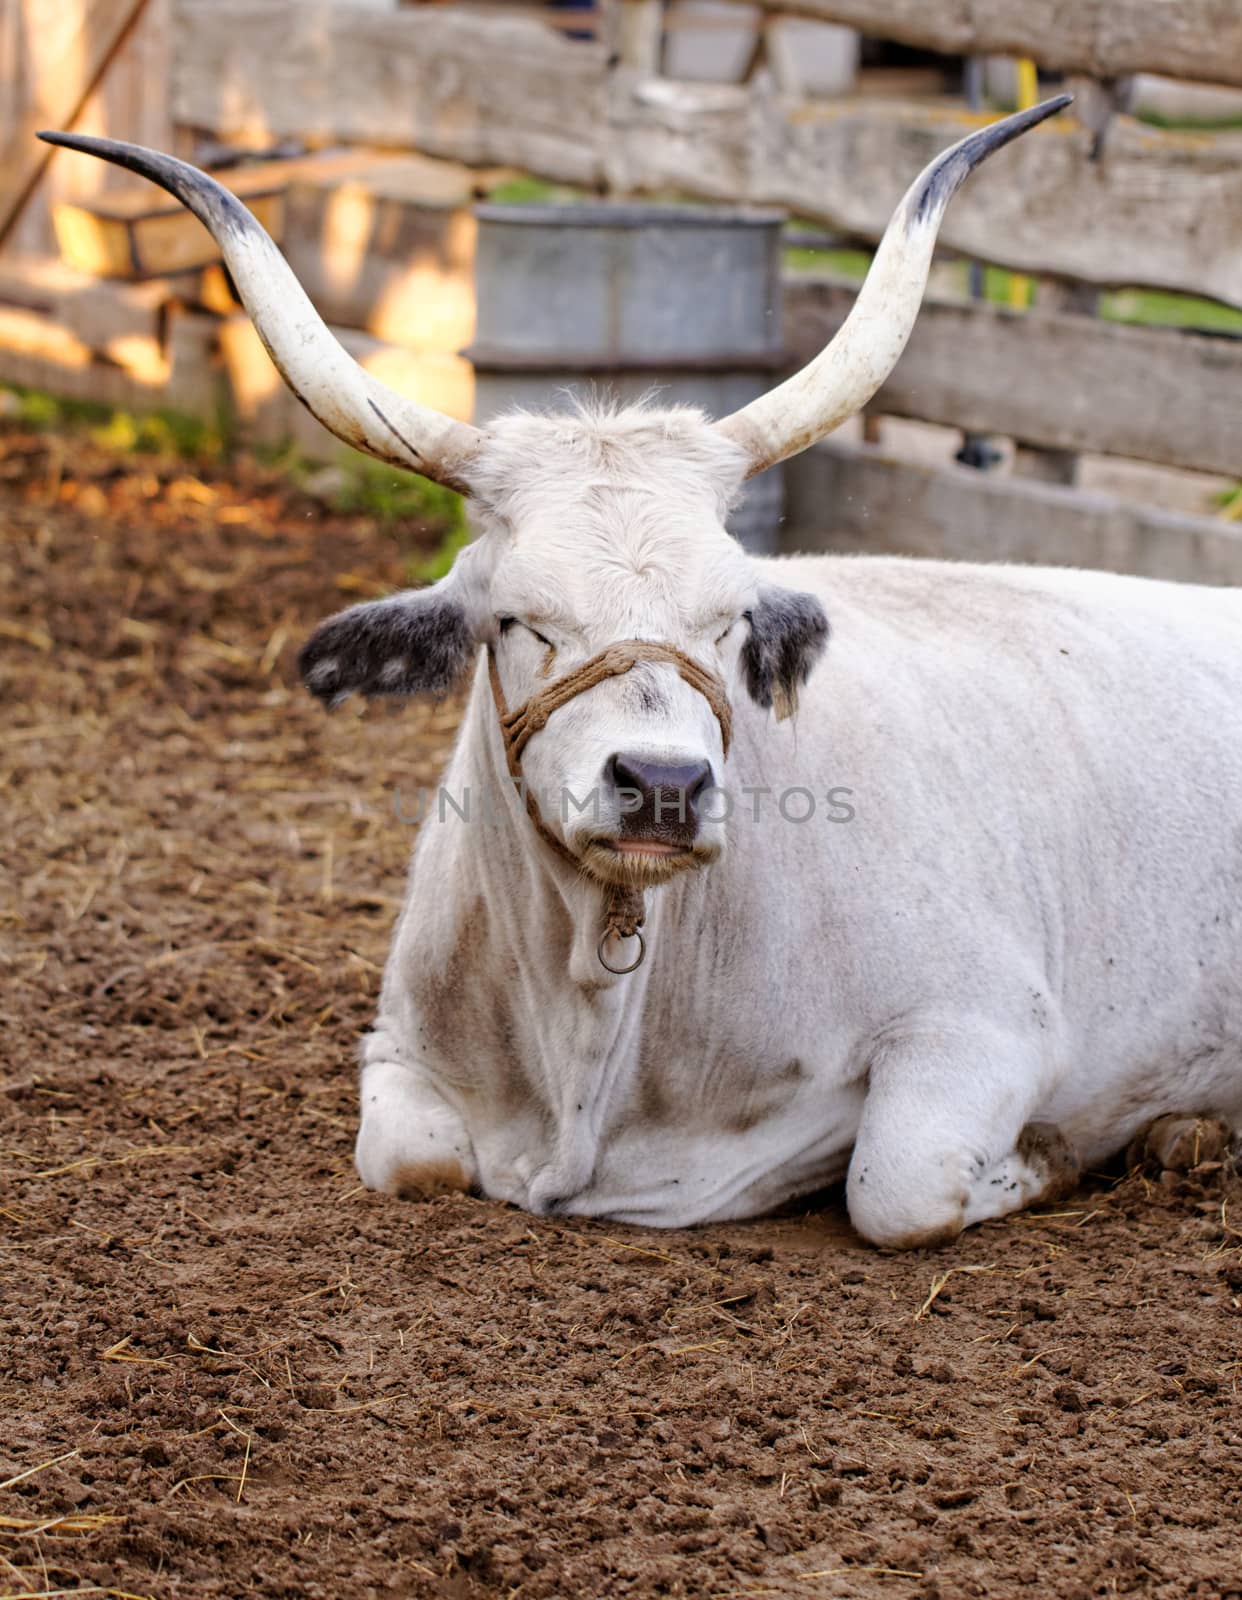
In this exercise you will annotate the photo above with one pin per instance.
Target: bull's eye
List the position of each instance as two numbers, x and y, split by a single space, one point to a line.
505 623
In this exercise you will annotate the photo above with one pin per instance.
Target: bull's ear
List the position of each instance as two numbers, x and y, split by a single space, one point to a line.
417 642
788 632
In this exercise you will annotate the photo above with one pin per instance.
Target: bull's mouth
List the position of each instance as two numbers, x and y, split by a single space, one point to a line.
640 863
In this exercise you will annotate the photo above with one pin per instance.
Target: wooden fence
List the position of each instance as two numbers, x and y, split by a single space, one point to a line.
95 65
1199 39
1162 209
1105 202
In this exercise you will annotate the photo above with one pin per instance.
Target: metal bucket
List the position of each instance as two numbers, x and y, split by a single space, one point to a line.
678 303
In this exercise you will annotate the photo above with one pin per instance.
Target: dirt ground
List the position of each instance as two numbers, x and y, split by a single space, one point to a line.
225 1370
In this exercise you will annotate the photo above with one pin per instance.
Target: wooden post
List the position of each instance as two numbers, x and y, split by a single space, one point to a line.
87 35
1031 461
640 34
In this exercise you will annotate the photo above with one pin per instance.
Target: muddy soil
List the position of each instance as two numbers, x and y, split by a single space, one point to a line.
225 1370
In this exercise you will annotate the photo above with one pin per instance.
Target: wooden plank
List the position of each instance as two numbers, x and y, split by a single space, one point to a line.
855 497
374 255
124 321
430 377
1101 38
34 334
577 20
38 284
1162 210
130 101
401 175
261 402
139 199
391 250
1053 379
40 351
195 384
141 231
97 381
699 138
479 89
71 43
640 34
149 246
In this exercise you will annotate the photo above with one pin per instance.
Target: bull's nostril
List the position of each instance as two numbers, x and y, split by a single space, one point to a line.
620 774
656 798
701 782
629 772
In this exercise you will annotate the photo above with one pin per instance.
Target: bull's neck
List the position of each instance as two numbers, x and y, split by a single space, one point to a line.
505 847
575 1026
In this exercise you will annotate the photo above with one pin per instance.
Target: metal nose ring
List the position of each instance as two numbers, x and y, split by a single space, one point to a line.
620 972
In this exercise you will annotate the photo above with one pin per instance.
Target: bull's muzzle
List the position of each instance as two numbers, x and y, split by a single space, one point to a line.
659 804
676 789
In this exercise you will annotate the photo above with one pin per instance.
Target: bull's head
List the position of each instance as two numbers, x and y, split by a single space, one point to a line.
601 535
596 530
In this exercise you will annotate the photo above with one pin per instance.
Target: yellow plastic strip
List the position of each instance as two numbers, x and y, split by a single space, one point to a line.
1028 95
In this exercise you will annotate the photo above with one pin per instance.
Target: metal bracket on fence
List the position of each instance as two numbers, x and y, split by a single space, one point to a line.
1099 102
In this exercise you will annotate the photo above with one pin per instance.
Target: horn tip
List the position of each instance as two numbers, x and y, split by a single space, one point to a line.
72 141
1055 103
935 187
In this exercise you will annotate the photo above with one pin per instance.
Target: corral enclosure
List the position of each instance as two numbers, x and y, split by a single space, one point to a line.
226 1369
392 118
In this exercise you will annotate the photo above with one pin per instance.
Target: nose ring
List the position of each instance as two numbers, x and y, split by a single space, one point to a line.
620 972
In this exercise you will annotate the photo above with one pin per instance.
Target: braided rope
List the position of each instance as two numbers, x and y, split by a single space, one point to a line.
624 908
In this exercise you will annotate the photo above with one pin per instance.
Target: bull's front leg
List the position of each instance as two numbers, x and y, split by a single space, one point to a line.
946 1137
410 1141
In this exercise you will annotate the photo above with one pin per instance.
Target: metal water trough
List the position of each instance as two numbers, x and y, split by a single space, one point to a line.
626 300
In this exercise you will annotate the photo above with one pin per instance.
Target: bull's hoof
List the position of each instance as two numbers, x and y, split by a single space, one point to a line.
1046 1151
1179 1144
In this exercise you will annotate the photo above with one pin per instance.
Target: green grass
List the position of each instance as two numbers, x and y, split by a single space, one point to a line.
352 484
849 263
395 499
1230 501
533 191
373 489
1156 119
1156 308
163 432
854 264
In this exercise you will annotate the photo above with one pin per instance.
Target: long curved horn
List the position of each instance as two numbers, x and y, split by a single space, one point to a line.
326 379
844 376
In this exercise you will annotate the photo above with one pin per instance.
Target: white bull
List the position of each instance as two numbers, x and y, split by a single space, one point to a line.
1007 935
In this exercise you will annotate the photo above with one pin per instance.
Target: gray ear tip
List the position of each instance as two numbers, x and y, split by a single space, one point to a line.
404 645
789 631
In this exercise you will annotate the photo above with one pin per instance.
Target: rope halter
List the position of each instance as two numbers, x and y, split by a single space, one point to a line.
624 909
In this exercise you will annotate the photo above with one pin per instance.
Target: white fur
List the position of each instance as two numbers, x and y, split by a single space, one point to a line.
1035 915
